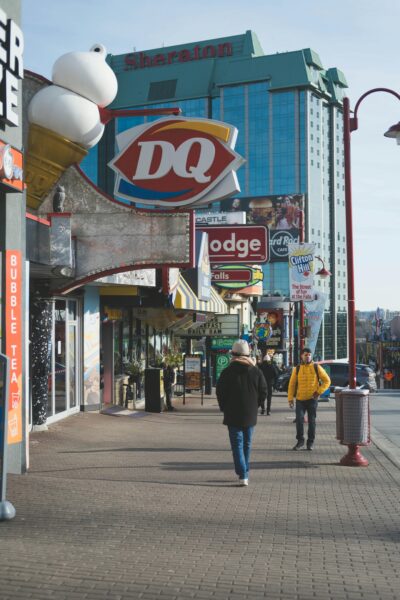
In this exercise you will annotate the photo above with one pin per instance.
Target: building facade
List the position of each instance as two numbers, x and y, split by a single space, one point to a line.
13 284
288 110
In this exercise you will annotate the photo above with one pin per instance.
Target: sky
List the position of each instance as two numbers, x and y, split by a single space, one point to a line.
359 37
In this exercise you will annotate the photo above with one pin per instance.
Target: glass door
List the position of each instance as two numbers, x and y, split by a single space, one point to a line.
63 388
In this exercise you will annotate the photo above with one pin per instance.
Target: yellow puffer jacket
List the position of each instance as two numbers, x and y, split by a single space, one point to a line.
308 382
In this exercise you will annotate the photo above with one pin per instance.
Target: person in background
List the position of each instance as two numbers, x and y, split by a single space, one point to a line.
169 380
307 382
241 389
270 372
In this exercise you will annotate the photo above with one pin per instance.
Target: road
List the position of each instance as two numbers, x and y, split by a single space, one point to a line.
385 422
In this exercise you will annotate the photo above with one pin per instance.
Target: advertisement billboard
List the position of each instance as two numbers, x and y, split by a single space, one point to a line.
281 214
268 327
301 272
314 311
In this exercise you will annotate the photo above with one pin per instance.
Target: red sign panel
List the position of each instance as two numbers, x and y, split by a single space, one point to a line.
237 244
239 275
13 328
11 174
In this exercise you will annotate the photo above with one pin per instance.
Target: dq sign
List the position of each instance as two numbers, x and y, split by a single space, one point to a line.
177 162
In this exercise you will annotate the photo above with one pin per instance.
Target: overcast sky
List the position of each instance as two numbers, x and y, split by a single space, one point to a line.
360 37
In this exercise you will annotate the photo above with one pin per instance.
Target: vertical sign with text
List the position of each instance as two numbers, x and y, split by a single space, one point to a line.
13 346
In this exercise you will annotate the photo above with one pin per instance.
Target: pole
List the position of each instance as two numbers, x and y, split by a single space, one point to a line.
7 510
301 328
351 317
353 458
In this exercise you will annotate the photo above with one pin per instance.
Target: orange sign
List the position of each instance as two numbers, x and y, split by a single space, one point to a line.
11 173
13 331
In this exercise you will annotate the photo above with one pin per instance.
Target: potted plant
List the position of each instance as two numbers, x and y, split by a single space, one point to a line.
135 371
174 359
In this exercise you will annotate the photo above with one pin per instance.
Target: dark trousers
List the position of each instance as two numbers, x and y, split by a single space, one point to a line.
269 397
168 397
309 407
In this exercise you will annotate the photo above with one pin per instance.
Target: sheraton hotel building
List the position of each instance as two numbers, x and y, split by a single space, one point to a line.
288 110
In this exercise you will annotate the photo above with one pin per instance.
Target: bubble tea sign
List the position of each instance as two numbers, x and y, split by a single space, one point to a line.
301 271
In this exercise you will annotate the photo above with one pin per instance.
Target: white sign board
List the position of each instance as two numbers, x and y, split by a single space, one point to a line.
221 218
301 271
218 326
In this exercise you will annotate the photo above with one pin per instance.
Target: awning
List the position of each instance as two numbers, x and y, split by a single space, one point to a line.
186 299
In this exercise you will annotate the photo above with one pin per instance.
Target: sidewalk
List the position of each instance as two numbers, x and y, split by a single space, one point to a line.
149 507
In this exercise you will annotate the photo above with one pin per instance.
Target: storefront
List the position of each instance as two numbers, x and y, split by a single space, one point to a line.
12 230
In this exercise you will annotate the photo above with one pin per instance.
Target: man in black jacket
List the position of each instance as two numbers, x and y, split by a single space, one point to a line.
270 372
241 389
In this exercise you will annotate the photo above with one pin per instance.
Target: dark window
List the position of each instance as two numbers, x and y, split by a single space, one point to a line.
160 90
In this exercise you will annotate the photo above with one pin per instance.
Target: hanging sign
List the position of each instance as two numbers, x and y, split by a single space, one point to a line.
301 271
177 162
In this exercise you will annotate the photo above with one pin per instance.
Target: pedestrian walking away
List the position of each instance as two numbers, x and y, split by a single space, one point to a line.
169 380
241 389
270 372
307 382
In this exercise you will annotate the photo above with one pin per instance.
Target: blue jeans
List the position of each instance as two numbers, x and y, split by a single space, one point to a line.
241 438
303 406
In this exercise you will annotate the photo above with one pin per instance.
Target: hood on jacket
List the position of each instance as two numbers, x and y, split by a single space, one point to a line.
247 361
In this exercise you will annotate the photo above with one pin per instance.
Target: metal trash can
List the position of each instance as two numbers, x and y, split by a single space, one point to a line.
339 412
153 390
354 417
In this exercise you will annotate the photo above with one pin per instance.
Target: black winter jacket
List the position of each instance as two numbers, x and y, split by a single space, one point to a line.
241 389
269 370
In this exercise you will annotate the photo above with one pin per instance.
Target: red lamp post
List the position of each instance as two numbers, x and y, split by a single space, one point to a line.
354 457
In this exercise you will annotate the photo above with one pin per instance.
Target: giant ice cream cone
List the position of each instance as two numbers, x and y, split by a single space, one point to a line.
64 118
48 156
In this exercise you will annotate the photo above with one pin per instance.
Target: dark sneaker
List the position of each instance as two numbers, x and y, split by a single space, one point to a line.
310 445
298 446
268 413
262 412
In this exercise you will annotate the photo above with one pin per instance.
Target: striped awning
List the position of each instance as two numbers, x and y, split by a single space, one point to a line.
186 299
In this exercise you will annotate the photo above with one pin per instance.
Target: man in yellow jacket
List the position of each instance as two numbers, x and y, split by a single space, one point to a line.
307 382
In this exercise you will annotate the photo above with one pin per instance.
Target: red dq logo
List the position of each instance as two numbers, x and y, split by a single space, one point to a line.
176 162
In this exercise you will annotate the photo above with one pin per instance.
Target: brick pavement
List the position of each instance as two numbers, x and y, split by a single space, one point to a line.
148 507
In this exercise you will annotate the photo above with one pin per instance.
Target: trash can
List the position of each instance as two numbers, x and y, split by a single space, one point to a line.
153 390
339 412
352 412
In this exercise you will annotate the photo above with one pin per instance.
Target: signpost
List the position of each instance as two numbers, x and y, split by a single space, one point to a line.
192 375
7 510
221 362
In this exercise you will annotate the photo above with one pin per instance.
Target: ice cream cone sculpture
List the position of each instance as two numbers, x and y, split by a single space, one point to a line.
64 118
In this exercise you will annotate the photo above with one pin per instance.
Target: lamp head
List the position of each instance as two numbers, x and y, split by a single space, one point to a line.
394 132
323 273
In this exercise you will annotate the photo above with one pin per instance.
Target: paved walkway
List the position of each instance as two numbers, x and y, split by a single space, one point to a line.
148 507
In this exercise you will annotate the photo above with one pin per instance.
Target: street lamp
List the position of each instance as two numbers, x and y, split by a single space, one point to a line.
323 273
354 457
